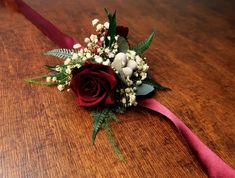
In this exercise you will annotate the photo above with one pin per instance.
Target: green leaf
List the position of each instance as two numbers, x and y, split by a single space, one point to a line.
142 46
112 28
144 89
98 119
156 85
111 140
37 81
53 68
61 53
122 44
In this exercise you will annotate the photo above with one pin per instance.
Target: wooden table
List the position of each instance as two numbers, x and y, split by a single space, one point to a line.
43 133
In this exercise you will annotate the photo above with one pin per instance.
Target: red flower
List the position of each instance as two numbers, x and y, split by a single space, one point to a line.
122 31
94 85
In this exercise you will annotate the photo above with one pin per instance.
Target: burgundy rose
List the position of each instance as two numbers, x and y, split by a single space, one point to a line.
94 85
122 31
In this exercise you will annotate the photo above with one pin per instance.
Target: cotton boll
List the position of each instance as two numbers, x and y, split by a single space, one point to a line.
132 64
119 61
127 71
122 58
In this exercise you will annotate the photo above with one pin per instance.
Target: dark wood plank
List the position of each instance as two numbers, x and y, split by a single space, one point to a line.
44 134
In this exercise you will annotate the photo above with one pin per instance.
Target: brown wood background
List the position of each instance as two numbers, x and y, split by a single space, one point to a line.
43 133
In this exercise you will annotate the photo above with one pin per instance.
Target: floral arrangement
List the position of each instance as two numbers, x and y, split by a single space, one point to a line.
107 74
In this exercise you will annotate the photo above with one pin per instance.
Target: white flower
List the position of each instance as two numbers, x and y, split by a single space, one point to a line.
76 46
93 37
106 25
111 55
127 90
132 53
75 56
102 38
78 65
80 54
58 68
54 79
138 82
48 79
99 27
132 98
116 37
107 50
98 59
95 21
107 62
145 67
138 59
60 87
98 50
123 100
109 38
89 45
85 50
86 40
67 61
88 55
68 70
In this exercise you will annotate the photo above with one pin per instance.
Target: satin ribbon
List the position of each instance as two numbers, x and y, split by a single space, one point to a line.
53 33
213 165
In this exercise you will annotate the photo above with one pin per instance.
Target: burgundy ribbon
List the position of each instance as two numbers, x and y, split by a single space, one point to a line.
53 33
214 166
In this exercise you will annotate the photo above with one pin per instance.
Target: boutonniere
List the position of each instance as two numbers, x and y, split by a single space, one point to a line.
106 73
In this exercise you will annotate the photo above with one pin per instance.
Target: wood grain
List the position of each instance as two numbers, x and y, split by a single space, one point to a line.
43 133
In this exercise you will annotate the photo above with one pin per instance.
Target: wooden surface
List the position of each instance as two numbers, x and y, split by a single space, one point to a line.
43 133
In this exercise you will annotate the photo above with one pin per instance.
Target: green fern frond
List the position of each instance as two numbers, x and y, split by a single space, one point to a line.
61 53
142 46
111 140
98 119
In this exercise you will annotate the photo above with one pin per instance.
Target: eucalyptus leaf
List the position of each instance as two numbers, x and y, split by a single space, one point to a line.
122 44
144 89
156 85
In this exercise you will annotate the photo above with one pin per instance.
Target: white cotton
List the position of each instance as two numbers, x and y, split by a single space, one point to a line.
127 71
132 64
